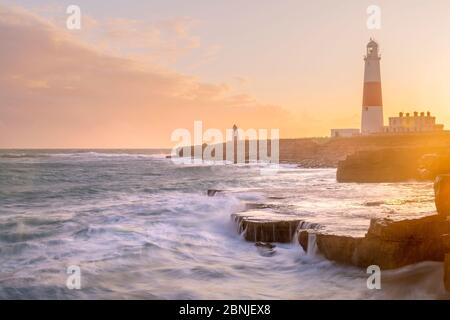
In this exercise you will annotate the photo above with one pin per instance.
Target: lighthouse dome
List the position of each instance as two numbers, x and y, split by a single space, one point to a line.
372 44
372 49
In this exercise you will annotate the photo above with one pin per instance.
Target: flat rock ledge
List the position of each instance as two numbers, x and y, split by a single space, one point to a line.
267 226
388 244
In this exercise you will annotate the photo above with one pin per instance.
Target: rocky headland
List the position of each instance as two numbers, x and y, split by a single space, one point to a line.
329 152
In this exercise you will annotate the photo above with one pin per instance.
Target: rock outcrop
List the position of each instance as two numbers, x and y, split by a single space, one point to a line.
260 206
434 164
264 226
394 165
213 192
333 247
265 249
442 194
447 272
267 226
388 244
386 165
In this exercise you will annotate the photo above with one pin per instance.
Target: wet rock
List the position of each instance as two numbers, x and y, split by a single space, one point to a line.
395 254
442 194
266 245
333 247
266 226
447 272
265 249
260 206
303 239
308 225
388 244
213 192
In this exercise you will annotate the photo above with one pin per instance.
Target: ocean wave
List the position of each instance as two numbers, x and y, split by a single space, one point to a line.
103 155
21 155
122 213
83 154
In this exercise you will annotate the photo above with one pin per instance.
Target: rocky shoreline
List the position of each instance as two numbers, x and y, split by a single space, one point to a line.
388 244
370 159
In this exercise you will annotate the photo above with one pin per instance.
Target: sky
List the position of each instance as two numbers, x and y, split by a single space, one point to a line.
138 70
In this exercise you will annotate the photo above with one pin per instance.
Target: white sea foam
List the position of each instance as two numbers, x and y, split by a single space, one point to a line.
147 229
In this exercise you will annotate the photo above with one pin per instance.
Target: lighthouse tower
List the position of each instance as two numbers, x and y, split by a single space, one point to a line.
372 108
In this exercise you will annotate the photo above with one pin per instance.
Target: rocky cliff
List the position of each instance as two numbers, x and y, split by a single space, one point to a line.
394 165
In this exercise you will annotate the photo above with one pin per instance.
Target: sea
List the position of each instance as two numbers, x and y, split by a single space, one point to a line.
135 224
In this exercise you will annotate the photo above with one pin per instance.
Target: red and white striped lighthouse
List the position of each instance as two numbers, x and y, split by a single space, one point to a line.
372 108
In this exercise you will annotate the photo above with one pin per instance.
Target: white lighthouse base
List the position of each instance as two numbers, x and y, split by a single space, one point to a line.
372 120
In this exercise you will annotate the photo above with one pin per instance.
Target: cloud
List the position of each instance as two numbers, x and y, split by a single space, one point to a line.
241 80
57 91
163 41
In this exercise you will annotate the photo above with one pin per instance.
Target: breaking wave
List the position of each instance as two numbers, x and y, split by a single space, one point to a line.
142 227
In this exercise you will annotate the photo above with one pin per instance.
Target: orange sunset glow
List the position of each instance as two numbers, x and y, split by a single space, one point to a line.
129 78
216 158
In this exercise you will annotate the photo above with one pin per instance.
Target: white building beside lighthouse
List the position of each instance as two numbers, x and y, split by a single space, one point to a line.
372 106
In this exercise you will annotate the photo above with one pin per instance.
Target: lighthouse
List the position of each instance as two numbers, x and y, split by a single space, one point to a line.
372 107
